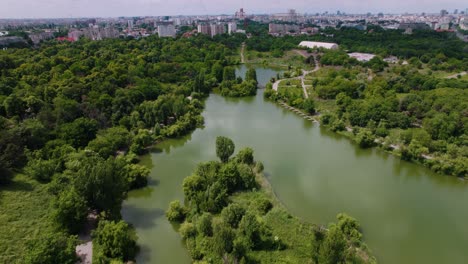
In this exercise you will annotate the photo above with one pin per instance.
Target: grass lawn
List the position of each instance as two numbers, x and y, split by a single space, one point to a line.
24 205
290 58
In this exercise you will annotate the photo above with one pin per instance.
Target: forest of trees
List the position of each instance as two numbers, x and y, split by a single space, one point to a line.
228 217
75 117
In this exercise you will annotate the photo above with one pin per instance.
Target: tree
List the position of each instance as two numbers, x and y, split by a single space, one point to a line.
309 106
103 183
116 240
232 214
224 148
176 212
365 138
223 237
79 132
251 75
204 224
70 210
333 248
245 156
229 74
51 248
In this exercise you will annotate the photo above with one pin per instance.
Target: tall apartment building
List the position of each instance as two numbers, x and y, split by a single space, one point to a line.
204 29
166 29
232 28
130 24
282 28
217 29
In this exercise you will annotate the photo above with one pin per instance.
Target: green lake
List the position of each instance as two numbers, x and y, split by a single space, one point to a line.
408 213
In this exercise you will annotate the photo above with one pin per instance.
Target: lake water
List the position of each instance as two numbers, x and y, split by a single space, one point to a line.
408 213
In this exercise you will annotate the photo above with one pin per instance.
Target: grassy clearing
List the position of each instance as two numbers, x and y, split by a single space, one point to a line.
24 205
289 58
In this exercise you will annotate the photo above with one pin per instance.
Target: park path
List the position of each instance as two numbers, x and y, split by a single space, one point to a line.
302 77
242 52
456 75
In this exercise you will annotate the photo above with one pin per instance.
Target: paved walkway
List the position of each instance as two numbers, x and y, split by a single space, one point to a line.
302 78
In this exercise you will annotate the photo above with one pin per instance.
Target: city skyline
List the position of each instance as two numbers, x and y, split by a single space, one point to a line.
107 8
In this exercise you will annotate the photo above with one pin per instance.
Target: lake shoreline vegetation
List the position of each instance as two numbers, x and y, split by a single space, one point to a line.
412 108
74 118
231 215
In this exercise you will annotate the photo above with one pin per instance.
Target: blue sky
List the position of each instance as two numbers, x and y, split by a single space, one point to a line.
114 8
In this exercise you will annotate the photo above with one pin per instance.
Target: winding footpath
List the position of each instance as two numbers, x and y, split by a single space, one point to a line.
242 52
302 78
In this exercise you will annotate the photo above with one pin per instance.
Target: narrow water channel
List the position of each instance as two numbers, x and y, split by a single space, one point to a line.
408 214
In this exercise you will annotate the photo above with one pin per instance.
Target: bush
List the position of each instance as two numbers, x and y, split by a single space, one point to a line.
232 214
264 205
188 230
116 240
70 210
204 225
365 138
245 156
52 248
176 212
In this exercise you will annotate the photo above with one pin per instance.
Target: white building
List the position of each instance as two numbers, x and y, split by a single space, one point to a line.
166 29
363 57
314 44
232 28
130 24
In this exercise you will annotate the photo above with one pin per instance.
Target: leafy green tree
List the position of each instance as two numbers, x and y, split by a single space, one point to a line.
79 132
103 183
333 249
51 248
229 74
224 148
232 214
204 224
365 138
176 212
223 238
70 210
116 240
251 75
245 156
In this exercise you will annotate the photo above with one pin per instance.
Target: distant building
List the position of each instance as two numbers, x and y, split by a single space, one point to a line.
204 29
94 33
314 44
281 29
36 38
363 57
413 26
166 29
443 12
212 29
217 29
309 31
130 24
232 28
240 14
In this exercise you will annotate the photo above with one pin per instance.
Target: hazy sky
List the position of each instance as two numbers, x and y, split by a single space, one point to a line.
114 8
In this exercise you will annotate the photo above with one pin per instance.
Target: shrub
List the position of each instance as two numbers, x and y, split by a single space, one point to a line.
204 225
116 240
264 205
176 212
187 230
232 214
